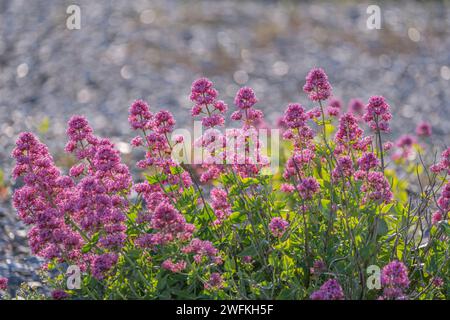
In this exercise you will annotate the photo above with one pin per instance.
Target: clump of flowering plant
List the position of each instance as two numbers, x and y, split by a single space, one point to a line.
225 229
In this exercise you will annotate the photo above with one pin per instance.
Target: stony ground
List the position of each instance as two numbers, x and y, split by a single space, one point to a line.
154 49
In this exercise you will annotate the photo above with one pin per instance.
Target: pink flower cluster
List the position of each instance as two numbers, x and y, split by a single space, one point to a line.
424 129
3 283
220 204
57 207
376 188
317 85
356 107
308 187
344 168
278 226
405 146
368 161
444 204
168 225
163 222
203 250
140 116
245 100
295 119
444 164
394 279
297 163
330 290
102 264
44 200
175 267
155 141
349 134
245 152
215 281
378 114
204 96
334 107
59 294
99 203
298 131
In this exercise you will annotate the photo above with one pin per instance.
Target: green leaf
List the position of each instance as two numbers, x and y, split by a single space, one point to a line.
385 209
382 228
88 246
446 227
176 170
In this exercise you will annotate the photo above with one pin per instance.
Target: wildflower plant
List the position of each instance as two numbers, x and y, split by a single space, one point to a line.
225 229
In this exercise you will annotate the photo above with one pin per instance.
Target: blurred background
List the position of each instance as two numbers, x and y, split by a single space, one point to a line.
154 49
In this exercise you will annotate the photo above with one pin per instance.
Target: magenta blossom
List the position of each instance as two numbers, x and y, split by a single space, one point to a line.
424 129
394 279
444 164
215 281
245 98
175 267
395 274
378 114
59 294
102 264
356 107
317 85
140 116
349 133
368 161
3 283
330 290
278 226
294 116
308 187
376 188
222 209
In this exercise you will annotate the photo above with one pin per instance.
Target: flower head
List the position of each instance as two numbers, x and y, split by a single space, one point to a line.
424 129
174 266
443 164
378 114
215 281
356 107
163 122
395 274
140 116
317 85
334 107
202 92
102 264
294 116
376 188
3 283
368 161
330 290
349 132
222 209
437 217
202 250
344 168
394 279
245 98
308 187
438 282
278 226
59 294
